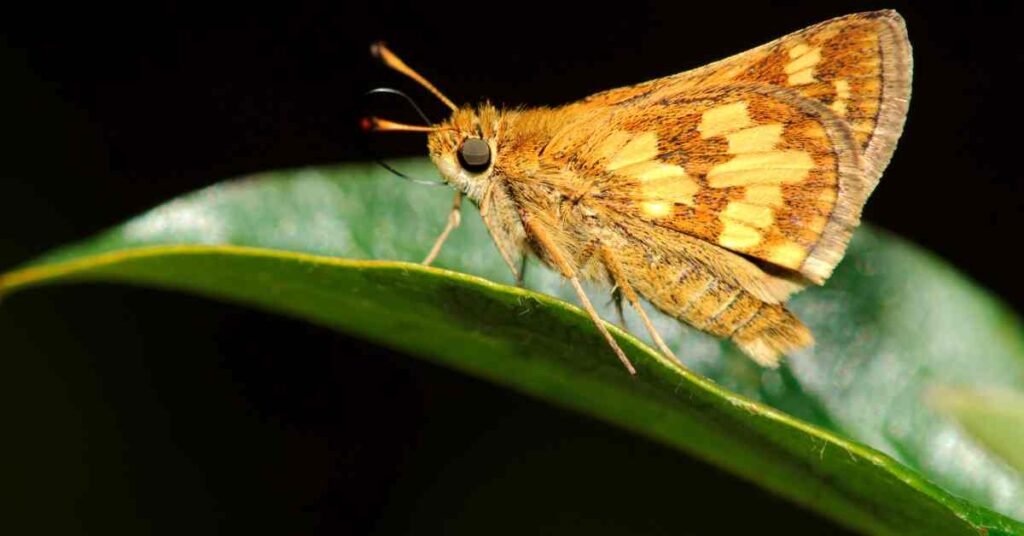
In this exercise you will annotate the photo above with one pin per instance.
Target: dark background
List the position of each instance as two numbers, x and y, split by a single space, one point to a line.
131 409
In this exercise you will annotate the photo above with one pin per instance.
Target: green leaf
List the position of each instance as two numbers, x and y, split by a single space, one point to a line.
995 417
891 323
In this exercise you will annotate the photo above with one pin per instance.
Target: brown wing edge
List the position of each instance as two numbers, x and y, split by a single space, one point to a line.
897 73
856 185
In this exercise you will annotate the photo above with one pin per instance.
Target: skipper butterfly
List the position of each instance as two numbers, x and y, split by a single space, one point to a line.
714 194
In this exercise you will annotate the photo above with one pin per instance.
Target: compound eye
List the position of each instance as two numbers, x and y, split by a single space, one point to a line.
475 155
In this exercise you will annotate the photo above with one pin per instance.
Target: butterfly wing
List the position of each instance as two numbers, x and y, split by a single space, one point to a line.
860 66
770 154
722 190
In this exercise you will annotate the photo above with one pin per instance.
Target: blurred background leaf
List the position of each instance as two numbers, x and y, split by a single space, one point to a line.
994 416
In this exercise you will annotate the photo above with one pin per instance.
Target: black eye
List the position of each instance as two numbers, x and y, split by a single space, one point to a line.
475 155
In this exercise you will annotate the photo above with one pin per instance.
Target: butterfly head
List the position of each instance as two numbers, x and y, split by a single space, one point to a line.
463 147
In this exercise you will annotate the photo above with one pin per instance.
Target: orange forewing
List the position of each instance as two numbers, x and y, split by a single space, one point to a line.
767 172
859 66
771 153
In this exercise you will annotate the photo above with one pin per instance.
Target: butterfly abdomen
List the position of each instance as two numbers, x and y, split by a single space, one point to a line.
764 331
771 332
693 294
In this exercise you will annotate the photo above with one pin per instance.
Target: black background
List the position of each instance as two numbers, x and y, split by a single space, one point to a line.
139 410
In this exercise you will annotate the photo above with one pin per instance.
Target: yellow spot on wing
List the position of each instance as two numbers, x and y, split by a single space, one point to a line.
661 185
652 170
612 143
738 236
801 68
827 200
724 119
656 209
788 255
809 58
828 33
842 94
756 215
817 224
639 149
800 78
673 189
755 139
764 194
755 168
842 89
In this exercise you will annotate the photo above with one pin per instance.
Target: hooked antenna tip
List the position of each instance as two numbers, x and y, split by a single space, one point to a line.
376 49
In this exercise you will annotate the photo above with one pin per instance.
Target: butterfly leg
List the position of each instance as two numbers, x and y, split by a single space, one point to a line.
617 301
454 219
554 254
621 284
485 215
